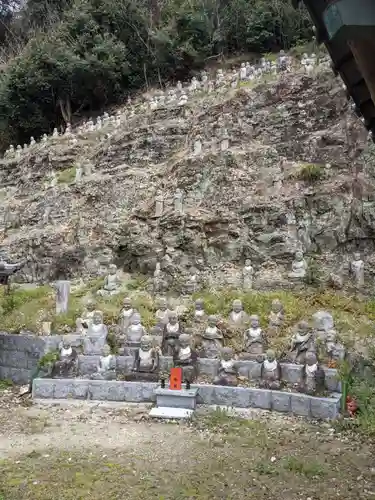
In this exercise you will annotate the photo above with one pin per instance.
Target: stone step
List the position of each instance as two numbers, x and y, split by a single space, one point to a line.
175 413
325 408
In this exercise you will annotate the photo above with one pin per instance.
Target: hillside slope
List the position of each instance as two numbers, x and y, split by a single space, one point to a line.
292 178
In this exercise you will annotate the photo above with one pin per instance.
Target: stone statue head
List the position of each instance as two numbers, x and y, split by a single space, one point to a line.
127 303
106 350
91 305
242 65
184 340
172 318
97 318
146 342
136 319
276 306
162 304
112 269
247 263
212 321
226 353
65 344
311 358
298 256
254 321
199 305
270 355
237 306
357 256
303 327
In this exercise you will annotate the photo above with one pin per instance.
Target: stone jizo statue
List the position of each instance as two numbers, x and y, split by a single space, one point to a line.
125 316
254 340
247 275
212 339
237 318
312 376
299 266
227 371
270 374
85 320
276 316
146 361
186 358
67 364
357 268
199 312
106 369
171 334
162 313
302 343
111 282
135 331
96 337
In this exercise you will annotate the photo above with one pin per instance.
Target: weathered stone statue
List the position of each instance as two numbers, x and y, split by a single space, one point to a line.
192 281
67 364
199 312
299 266
276 316
96 337
126 314
313 376
247 275
135 331
270 373
111 282
357 268
146 361
186 358
171 334
302 343
159 204
227 371
212 339
106 369
254 340
162 313
85 320
237 318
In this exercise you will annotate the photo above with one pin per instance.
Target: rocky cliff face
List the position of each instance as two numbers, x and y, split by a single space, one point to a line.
293 177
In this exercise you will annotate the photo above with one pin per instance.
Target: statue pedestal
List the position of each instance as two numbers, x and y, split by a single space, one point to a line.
172 403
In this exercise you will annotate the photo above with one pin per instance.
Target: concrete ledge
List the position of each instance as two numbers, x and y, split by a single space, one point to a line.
167 398
240 397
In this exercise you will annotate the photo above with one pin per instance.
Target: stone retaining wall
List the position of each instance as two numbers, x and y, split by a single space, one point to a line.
239 397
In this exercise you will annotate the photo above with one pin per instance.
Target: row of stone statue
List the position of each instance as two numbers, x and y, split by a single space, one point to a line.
146 366
209 332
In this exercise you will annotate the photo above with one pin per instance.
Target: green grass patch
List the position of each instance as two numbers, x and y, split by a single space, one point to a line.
66 176
309 172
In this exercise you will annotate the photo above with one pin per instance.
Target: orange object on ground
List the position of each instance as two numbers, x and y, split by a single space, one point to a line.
175 379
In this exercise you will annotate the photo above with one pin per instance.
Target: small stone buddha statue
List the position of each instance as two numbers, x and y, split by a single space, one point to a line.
313 376
162 313
254 340
96 337
126 314
67 364
199 312
106 369
302 342
85 320
186 358
135 331
212 339
357 268
270 372
227 371
111 282
299 266
237 317
171 334
276 316
247 275
146 361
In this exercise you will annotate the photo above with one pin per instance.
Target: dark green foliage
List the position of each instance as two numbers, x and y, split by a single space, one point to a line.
87 54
